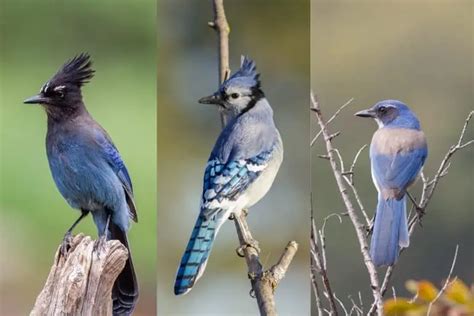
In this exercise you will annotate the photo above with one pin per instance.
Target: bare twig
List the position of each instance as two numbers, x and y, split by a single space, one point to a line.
318 255
331 119
221 26
342 304
445 283
349 177
264 282
359 228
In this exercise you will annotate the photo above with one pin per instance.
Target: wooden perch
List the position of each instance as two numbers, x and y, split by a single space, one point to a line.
81 283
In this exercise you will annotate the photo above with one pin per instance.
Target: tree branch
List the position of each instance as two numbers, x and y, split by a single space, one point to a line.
319 266
359 227
263 281
221 26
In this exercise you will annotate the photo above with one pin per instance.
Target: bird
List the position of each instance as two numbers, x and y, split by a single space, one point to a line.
240 170
87 168
398 151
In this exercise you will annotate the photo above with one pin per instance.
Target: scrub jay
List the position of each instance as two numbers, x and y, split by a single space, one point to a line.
397 153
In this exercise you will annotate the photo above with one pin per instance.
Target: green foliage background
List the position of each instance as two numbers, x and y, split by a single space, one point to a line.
36 38
420 52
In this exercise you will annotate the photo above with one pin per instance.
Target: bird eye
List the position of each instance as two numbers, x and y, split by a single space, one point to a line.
382 109
60 91
234 95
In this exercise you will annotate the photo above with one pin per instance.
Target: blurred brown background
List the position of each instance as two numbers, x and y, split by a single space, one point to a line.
419 52
276 35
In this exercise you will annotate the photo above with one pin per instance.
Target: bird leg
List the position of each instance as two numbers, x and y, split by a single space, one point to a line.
100 244
419 210
67 239
248 240
370 228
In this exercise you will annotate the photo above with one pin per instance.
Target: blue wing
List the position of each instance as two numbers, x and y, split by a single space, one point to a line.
224 182
399 170
116 163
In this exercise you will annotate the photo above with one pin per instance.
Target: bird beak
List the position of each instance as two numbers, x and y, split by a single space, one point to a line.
36 99
212 99
365 113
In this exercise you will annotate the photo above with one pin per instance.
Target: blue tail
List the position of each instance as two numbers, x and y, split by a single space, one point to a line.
195 257
390 231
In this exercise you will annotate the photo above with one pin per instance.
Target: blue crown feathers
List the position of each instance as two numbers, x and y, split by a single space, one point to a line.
247 73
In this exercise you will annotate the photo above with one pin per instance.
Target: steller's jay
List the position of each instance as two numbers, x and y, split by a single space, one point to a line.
87 168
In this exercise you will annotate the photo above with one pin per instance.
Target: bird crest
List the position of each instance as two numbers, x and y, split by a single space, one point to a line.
246 74
76 72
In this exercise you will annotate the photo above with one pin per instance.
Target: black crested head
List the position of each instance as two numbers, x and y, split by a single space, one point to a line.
61 95
75 72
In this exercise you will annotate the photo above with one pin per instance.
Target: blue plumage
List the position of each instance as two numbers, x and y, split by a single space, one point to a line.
240 169
88 169
397 153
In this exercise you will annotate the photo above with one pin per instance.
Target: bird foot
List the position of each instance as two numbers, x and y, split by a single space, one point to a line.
99 245
249 243
244 213
370 228
66 244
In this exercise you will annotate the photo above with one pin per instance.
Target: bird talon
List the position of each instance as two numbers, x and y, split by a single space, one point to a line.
66 244
240 251
99 245
253 244
252 293
249 244
370 228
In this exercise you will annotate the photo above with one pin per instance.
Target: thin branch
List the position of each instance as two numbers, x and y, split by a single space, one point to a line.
364 247
331 119
342 304
318 255
221 26
349 177
445 283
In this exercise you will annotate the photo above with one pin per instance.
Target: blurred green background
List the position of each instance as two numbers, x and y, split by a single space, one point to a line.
276 36
421 53
37 37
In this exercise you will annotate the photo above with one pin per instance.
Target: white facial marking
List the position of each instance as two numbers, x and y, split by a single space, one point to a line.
59 88
44 89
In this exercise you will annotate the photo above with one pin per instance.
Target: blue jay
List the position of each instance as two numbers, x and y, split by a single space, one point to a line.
397 153
240 169
87 168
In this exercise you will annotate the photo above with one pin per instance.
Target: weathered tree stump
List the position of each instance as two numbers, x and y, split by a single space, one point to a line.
81 283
